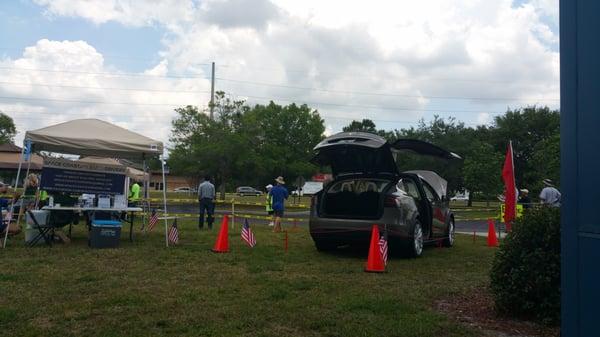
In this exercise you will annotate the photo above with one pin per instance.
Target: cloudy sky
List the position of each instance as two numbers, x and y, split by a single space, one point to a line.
132 62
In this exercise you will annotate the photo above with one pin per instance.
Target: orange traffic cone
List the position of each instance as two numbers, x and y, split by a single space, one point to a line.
222 244
375 262
492 239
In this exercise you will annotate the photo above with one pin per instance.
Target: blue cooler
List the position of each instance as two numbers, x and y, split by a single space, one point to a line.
105 234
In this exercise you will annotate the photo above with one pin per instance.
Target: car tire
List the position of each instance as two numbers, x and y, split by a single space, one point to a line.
414 246
449 240
325 246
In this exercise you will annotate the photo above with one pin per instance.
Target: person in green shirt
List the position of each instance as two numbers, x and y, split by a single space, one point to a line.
134 194
269 204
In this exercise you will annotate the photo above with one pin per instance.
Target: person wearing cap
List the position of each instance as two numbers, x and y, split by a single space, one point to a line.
550 195
269 204
524 198
278 194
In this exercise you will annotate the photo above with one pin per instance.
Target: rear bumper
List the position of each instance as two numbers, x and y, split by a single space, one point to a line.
347 231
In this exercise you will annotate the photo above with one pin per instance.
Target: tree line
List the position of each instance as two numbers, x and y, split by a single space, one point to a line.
250 145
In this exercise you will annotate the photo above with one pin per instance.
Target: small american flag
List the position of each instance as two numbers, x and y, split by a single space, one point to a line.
247 234
153 220
174 233
383 246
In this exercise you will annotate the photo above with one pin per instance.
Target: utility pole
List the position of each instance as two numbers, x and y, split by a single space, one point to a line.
212 92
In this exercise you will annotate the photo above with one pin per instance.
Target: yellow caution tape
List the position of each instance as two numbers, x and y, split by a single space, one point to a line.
224 202
245 216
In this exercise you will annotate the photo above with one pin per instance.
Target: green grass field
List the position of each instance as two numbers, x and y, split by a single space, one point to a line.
145 289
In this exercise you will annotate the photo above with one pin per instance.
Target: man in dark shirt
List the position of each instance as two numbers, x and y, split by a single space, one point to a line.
524 198
278 194
206 197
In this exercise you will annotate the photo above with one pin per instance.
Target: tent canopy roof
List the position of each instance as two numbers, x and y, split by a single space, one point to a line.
132 173
93 137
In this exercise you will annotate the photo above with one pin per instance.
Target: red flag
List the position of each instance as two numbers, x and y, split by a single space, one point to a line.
510 188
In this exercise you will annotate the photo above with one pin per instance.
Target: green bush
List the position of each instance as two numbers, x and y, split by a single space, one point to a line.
525 275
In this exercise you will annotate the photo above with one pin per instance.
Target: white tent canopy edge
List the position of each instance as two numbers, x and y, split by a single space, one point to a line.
92 137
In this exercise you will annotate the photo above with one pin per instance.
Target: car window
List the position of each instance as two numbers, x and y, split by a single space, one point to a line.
410 187
429 192
358 186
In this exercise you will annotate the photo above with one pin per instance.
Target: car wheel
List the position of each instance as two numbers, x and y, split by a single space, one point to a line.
449 240
415 244
325 246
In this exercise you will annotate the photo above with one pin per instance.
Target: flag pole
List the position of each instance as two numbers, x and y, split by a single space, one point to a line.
12 205
162 161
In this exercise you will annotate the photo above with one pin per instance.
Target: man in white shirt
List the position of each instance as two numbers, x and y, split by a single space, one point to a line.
550 195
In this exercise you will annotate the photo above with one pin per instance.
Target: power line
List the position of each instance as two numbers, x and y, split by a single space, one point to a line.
379 94
102 88
104 73
347 75
365 106
84 102
116 115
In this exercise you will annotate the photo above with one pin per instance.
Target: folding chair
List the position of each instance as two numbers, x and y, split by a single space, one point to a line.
45 232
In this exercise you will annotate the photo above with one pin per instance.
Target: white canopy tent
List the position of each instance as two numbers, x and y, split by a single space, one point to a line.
93 137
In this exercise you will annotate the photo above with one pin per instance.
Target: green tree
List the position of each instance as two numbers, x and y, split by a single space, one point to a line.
482 169
526 128
366 125
445 133
545 163
7 129
284 138
215 147
245 145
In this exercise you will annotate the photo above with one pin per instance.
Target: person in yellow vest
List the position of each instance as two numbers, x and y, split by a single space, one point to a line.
134 195
43 198
269 204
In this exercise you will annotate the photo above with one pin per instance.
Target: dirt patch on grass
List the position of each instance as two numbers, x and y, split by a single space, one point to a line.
476 309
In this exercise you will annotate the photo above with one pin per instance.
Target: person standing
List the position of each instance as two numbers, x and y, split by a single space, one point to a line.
269 204
134 194
206 198
524 198
550 195
278 193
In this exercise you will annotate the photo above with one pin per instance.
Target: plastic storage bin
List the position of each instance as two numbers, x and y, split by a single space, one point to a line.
105 234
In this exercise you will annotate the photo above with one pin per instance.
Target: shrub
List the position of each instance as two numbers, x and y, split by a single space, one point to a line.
525 275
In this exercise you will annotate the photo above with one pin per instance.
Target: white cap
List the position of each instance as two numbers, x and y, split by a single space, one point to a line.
269 186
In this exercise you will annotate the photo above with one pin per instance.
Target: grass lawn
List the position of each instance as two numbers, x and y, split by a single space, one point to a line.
144 289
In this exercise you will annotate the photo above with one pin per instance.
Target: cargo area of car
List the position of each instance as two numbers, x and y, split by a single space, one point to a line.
354 198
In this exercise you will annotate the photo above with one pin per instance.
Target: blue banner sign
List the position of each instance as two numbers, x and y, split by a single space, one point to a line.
62 175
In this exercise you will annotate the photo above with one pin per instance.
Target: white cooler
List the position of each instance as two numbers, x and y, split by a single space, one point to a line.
31 231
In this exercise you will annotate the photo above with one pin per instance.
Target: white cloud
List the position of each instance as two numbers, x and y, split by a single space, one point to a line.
85 88
134 13
487 55
484 118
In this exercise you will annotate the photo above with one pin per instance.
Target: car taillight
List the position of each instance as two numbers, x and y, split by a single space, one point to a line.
390 201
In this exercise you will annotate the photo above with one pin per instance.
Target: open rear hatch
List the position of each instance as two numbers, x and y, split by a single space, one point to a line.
360 153
352 153
363 166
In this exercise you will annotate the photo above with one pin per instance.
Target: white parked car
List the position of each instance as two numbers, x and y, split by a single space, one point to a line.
461 196
309 188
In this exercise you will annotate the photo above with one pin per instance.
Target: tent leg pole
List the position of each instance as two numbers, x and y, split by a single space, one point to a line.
22 209
145 199
12 205
165 214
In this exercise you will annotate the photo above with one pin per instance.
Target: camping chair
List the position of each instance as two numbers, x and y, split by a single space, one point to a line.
46 232
59 219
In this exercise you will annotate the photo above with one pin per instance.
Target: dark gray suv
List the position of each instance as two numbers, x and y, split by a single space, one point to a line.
368 189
